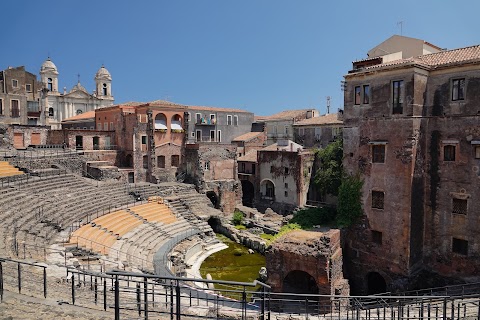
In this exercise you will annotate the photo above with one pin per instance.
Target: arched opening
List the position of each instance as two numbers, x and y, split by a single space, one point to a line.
176 124
129 161
213 198
104 89
96 143
161 122
267 190
50 84
248 193
376 283
299 282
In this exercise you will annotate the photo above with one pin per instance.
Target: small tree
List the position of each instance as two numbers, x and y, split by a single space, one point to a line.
329 176
237 217
349 206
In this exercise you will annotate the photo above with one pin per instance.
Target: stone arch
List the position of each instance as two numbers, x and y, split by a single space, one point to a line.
214 199
267 189
297 281
160 122
248 193
376 283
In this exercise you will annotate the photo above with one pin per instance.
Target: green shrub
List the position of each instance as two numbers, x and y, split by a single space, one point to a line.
349 200
307 218
237 217
267 236
237 252
240 227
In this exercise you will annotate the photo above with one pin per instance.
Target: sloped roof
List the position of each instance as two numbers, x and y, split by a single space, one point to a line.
435 60
250 156
327 119
287 147
247 136
287 114
82 116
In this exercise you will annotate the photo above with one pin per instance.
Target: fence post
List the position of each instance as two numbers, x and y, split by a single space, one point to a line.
138 299
73 288
45 282
95 287
262 307
105 294
117 299
244 304
177 296
1 281
145 298
19 274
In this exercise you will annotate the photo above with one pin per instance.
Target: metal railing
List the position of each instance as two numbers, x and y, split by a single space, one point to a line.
141 296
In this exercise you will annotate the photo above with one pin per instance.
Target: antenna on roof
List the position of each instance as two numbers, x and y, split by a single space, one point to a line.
78 75
328 104
400 23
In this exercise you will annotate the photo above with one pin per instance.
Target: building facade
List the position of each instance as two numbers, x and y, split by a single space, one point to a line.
61 105
411 132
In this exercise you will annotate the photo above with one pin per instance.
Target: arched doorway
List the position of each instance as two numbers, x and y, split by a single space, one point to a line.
248 193
213 198
267 190
299 282
376 283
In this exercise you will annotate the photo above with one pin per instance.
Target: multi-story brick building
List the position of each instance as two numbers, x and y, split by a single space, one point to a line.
411 132
318 132
20 97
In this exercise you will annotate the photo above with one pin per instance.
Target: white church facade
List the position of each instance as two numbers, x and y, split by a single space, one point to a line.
62 105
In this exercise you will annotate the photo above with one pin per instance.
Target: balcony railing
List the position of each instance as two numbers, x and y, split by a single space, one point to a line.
206 122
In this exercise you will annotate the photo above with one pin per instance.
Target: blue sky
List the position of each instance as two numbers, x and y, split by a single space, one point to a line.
264 56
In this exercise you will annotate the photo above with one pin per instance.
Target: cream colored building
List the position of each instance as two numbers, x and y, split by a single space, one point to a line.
62 105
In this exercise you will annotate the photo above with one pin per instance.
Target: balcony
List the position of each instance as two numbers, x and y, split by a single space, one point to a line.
33 109
206 122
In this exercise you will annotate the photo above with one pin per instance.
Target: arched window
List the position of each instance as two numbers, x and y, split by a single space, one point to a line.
161 122
79 111
104 89
267 189
176 125
50 84
50 112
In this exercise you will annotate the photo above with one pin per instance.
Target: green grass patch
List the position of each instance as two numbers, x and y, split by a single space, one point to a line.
240 227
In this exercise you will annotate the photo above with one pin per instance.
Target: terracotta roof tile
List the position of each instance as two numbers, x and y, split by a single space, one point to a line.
434 60
247 136
331 118
200 108
82 116
251 156
287 114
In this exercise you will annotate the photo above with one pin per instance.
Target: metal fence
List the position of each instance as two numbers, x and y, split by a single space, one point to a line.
142 296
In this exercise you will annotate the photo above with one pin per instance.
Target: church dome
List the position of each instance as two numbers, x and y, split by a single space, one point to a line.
103 73
48 66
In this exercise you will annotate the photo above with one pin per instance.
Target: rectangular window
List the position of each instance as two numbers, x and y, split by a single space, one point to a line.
111 126
286 130
275 130
145 162
397 96
212 119
286 194
144 139
301 131
286 170
198 117
212 135
15 106
318 134
366 94
175 160
235 120
14 83
449 153
242 167
477 148
207 165
460 246
376 237
378 199
161 161
105 126
1 106
459 206
229 120
458 89
28 87
378 153
99 126
357 95
271 169
219 136
286 185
